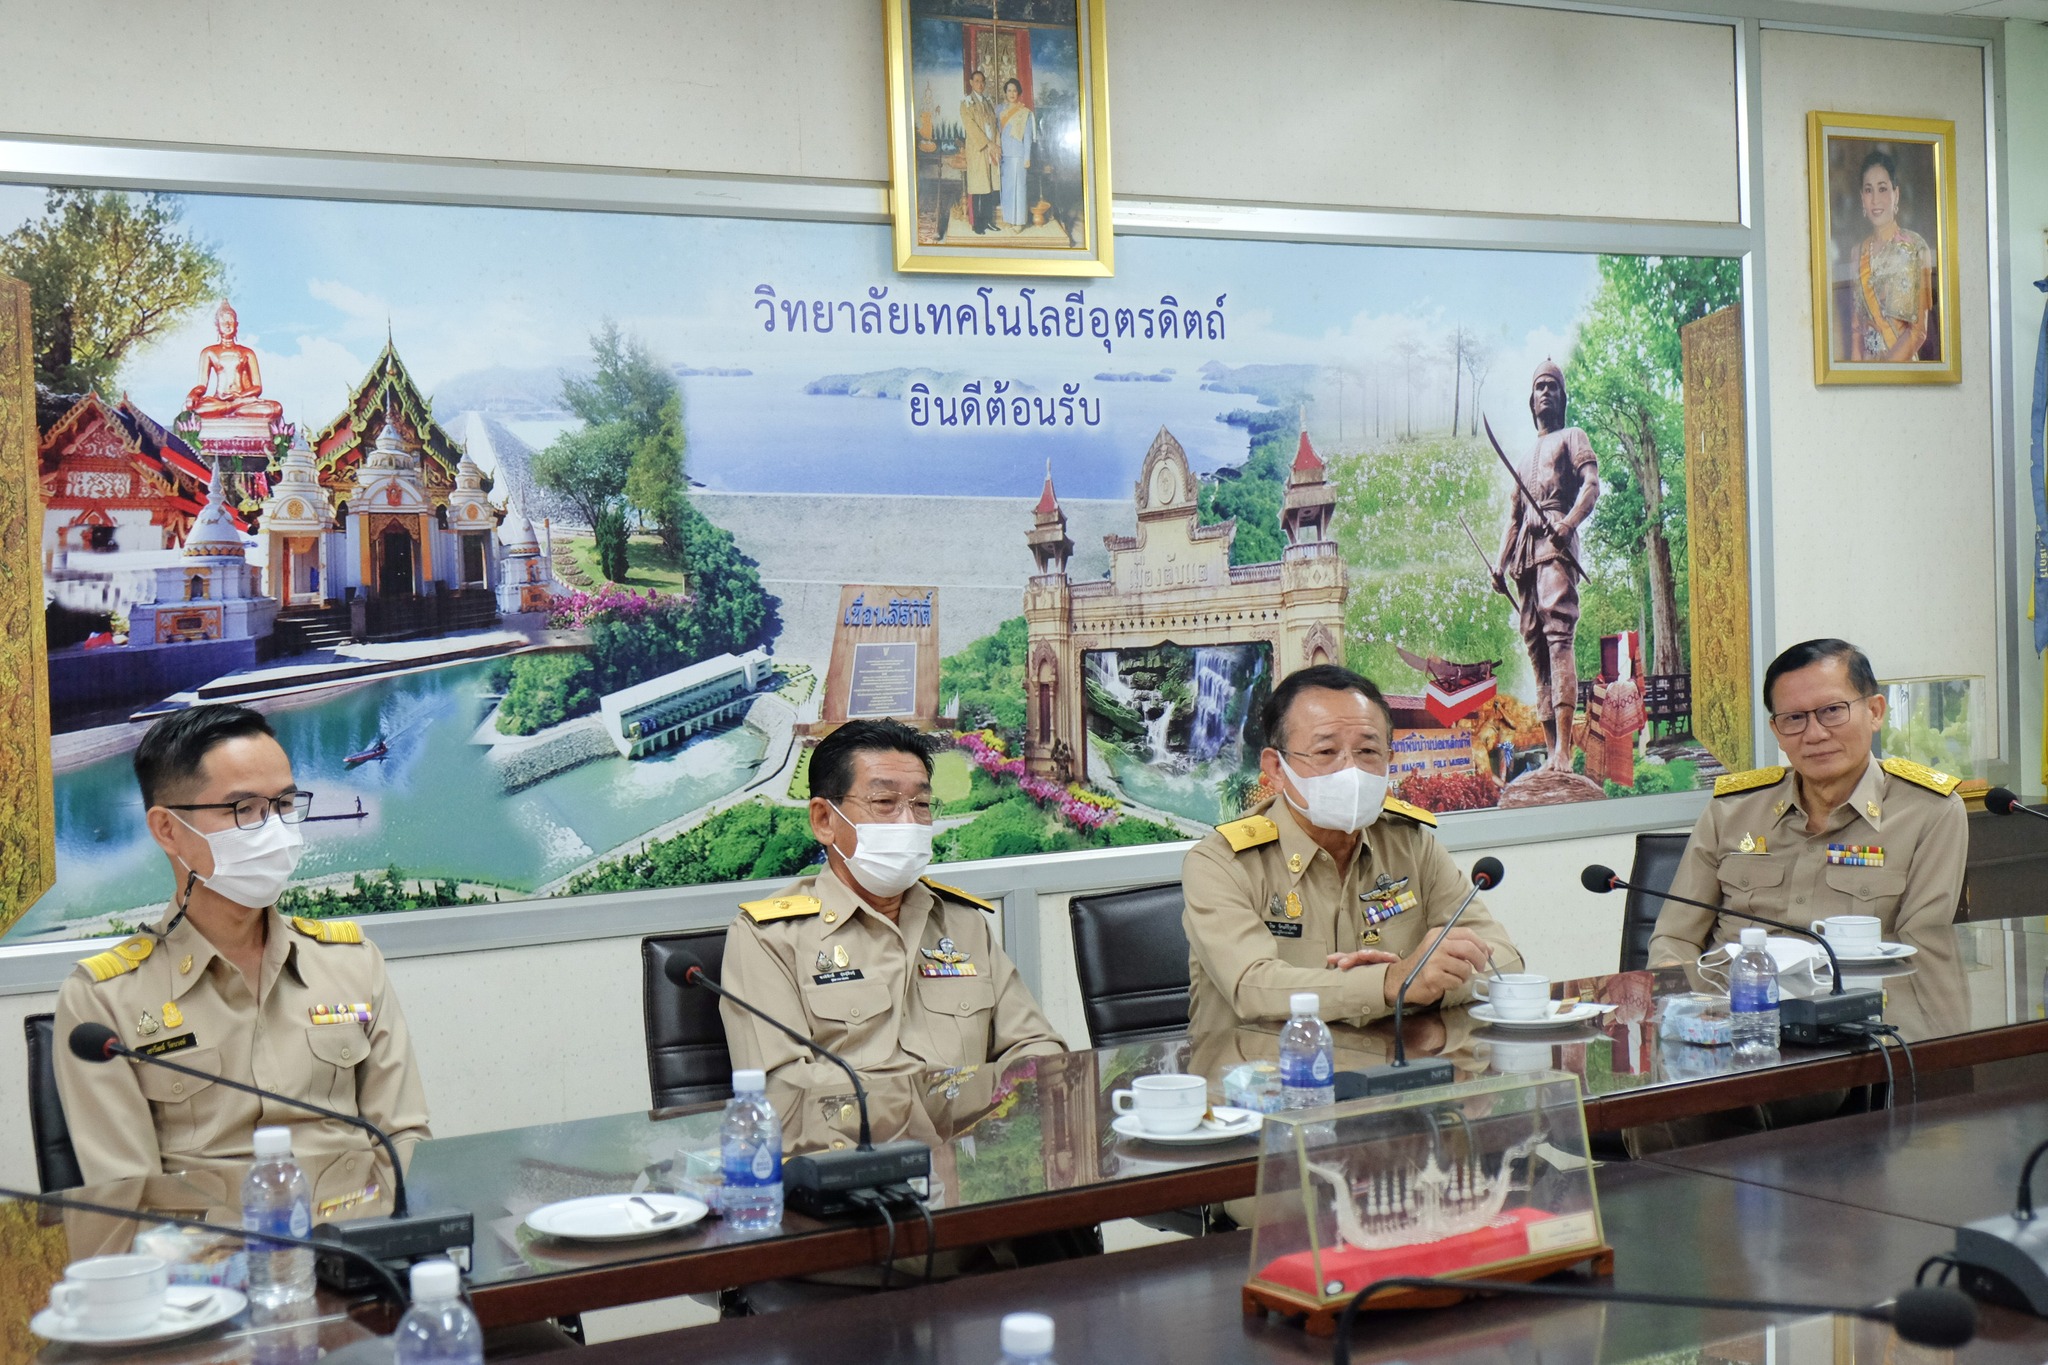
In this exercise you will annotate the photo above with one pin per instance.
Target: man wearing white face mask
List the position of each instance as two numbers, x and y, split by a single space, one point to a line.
1334 887
223 984
892 971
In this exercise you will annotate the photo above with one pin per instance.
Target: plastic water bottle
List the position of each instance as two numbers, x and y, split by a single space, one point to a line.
276 1198
1027 1339
1753 1000
1308 1055
438 1329
750 1150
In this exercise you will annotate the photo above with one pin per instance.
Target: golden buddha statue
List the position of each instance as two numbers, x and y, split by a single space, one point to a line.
230 381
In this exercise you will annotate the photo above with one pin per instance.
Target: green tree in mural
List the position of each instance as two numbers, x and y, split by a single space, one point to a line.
988 678
1625 378
588 468
631 446
108 273
1253 499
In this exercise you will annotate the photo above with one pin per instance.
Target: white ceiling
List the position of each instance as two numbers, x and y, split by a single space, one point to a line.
2036 10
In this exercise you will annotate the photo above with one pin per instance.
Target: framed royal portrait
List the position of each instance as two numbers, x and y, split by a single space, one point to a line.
999 136
1882 213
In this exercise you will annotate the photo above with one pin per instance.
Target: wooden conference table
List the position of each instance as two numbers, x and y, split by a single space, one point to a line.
1031 1149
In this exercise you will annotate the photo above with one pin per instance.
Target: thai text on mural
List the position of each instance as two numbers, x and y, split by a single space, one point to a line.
1000 408
901 611
1071 318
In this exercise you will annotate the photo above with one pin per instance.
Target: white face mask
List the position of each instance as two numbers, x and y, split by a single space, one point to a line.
251 866
1346 800
887 859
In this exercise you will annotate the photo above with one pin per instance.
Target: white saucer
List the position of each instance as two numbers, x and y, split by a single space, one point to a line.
1558 1018
188 1308
615 1217
1228 1126
1886 952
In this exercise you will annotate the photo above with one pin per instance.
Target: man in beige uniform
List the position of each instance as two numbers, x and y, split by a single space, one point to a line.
890 971
1836 833
224 984
1332 887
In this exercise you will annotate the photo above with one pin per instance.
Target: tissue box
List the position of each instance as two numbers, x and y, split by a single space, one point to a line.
1253 1085
1700 1019
195 1257
701 1175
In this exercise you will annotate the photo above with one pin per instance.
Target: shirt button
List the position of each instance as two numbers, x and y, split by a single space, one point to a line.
1799 900
1743 881
177 1087
346 1054
967 1007
854 1014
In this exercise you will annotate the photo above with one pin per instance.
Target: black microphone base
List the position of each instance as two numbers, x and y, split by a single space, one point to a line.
396 1242
818 1184
1395 1078
2004 1261
1811 1022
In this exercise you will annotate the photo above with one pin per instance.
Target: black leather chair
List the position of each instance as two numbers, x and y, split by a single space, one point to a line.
687 1060
1131 956
1657 858
56 1163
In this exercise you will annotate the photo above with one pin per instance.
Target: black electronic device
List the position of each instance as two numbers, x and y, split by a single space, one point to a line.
2004 1260
1929 1315
402 1237
818 1183
1809 1021
1400 1074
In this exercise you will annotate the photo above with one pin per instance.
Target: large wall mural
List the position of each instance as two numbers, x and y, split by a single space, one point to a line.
550 542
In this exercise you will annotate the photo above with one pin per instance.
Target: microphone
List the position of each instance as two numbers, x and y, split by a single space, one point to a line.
2001 801
2004 1260
328 1250
1398 1075
402 1236
1804 1021
1934 1316
821 1183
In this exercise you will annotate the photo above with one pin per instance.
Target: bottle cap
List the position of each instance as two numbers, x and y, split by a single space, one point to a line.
1305 1002
1755 938
435 1279
1027 1334
271 1143
749 1081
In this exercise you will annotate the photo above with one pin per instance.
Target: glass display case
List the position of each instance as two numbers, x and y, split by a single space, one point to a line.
1928 720
1486 1179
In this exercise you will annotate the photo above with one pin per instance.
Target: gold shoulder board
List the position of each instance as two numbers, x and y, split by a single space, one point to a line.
329 930
1940 783
1415 813
122 958
957 894
1727 784
1249 832
781 907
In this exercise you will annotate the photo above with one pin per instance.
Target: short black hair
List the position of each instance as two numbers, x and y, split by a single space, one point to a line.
1328 677
1878 156
832 761
170 754
1809 652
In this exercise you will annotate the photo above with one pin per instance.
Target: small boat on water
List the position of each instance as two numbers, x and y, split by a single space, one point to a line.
357 814
375 751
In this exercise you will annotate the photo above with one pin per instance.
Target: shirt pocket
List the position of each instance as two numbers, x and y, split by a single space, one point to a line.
847 1016
1867 891
338 1049
1753 882
969 1002
187 1108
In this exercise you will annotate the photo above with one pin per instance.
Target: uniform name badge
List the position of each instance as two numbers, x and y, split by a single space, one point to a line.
1855 855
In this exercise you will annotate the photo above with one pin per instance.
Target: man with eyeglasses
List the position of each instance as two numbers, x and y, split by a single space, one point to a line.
894 972
1333 887
1836 832
224 984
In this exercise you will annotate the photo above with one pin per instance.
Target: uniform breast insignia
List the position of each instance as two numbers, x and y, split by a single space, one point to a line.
1249 832
1409 812
185 964
173 1016
782 907
955 893
1855 855
147 1026
325 1210
1386 900
329 930
945 960
1293 906
1294 862
1872 809
1750 844
341 1014
1729 784
1920 775
121 959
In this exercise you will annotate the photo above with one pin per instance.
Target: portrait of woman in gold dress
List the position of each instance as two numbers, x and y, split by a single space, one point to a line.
1892 292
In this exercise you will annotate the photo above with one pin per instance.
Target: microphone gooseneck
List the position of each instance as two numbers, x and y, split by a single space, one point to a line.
1601 880
1486 874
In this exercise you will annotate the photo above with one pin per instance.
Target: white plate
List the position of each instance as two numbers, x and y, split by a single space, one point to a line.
615 1217
188 1308
1886 952
1558 1018
1229 1126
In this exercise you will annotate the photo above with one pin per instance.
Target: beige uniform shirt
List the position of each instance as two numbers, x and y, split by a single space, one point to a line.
1266 905
323 1024
1750 851
930 989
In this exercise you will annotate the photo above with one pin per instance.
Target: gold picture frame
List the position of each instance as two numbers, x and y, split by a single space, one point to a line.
1010 177
1881 215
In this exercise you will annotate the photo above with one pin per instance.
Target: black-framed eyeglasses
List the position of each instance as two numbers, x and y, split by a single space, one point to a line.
1833 716
1325 761
251 811
897 809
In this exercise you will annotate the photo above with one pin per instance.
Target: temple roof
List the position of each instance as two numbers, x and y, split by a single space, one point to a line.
517 533
297 504
469 507
389 478
149 446
216 534
1307 463
386 392
1048 501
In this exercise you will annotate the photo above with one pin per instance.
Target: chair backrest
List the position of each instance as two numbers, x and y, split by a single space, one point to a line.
56 1163
1131 955
687 1060
1657 858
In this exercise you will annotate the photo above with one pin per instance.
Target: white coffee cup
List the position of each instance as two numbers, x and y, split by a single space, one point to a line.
1516 995
1855 935
112 1294
1164 1104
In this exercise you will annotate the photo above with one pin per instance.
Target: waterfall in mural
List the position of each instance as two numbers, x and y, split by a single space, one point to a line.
1167 725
